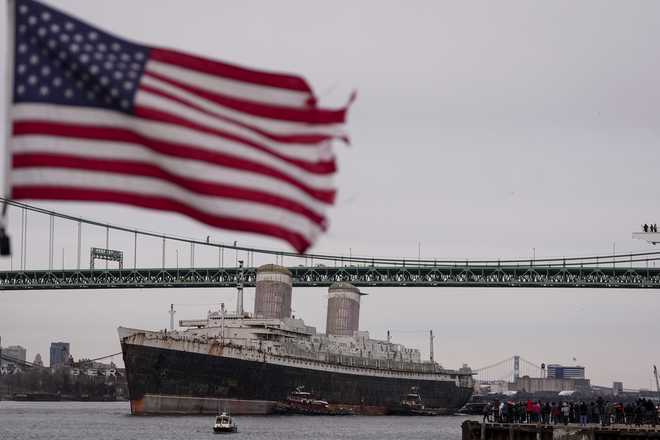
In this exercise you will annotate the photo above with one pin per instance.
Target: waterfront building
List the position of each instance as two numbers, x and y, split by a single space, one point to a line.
556 371
59 353
543 384
492 387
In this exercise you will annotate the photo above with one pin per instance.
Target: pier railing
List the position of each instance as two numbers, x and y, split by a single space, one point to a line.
473 430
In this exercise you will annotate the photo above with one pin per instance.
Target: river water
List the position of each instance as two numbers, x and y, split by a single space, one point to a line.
91 420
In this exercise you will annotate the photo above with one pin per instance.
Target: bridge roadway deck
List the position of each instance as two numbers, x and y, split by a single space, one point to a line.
362 276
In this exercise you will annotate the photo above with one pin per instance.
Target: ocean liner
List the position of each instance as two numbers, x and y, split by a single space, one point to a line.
249 363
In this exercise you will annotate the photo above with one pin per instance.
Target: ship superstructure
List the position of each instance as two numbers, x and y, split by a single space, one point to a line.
252 362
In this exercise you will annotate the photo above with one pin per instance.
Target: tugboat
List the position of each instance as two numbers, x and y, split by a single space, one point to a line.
224 424
302 402
412 405
413 400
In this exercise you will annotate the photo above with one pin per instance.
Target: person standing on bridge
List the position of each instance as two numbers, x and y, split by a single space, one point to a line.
645 227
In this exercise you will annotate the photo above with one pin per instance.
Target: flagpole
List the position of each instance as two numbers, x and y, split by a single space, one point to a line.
9 92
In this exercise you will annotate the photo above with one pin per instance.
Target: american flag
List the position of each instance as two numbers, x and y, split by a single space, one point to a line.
99 118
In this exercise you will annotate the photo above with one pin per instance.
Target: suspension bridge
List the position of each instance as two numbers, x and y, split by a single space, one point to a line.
614 271
508 370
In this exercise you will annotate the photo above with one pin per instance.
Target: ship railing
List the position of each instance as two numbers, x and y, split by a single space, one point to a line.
354 363
379 364
290 353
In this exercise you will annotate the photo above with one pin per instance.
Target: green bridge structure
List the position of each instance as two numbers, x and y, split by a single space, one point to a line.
361 276
614 271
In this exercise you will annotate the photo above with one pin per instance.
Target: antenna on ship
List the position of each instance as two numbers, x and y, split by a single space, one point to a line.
388 346
239 292
172 312
222 323
431 347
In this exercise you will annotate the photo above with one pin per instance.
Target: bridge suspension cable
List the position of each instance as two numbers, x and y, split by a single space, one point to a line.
593 260
496 364
108 356
19 361
32 364
530 364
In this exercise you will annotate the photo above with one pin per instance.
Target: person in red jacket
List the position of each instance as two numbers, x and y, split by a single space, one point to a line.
530 411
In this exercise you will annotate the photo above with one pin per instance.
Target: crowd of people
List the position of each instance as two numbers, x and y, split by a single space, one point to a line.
600 411
649 228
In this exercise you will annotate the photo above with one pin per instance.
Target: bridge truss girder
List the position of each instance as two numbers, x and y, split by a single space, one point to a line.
321 276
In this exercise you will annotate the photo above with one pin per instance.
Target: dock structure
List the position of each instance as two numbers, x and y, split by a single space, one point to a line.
474 430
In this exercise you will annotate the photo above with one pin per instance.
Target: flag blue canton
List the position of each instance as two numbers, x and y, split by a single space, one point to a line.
61 60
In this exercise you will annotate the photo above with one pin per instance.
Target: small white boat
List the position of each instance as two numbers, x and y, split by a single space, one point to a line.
224 424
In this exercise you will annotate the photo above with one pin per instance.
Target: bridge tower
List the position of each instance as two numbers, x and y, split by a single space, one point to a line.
516 367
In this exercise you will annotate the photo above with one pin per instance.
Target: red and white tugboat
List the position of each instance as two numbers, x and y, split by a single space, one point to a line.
302 402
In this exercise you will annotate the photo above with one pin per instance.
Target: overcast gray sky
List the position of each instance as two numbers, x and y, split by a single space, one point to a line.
481 130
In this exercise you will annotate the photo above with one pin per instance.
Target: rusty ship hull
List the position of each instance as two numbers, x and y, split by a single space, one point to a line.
201 377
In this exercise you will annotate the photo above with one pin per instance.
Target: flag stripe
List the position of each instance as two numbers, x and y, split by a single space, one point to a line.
186 168
232 87
217 68
312 115
153 187
273 126
164 138
49 160
153 114
190 151
302 139
297 240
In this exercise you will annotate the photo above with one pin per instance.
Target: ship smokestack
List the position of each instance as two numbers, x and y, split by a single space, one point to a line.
343 317
272 297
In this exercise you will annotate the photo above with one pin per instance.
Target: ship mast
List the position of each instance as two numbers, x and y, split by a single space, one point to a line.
172 312
222 323
431 347
388 346
239 290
